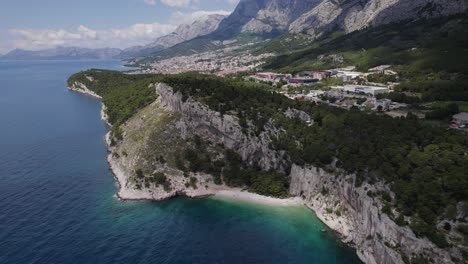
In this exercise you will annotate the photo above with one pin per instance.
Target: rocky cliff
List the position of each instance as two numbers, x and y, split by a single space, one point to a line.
333 196
352 15
153 139
358 217
222 130
263 16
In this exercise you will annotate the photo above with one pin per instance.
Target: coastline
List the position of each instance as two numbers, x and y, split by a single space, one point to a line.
216 191
338 226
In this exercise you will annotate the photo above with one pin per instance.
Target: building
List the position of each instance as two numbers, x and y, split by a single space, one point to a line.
318 75
362 89
382 105
380 68
302 81
272 76
461 119
349 75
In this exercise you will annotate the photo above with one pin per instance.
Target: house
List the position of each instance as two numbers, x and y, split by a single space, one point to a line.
461 119
382 105
320 75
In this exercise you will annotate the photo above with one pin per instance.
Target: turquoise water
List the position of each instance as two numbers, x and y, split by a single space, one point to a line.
57 203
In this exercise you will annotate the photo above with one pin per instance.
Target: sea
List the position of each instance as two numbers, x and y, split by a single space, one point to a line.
57 195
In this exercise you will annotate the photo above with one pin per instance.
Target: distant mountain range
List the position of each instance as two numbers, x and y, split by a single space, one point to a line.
264 19
63 53
184 32
270 18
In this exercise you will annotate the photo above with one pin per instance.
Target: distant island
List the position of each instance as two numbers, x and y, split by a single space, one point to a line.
63 53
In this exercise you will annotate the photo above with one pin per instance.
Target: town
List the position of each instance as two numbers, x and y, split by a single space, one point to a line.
221 62
343 87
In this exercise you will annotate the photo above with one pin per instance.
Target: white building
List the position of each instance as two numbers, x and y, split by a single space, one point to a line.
362 89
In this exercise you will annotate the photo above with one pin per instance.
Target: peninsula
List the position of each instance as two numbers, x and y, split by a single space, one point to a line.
198 135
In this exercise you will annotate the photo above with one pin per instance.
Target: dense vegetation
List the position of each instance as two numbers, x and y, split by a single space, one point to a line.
425 166
430 55
123 94
233 170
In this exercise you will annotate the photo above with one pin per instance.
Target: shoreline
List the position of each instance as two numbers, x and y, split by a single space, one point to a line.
248 197
216 191
220 192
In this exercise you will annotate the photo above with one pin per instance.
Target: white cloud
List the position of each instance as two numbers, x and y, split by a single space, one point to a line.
179 3
150 2
85 37
186 3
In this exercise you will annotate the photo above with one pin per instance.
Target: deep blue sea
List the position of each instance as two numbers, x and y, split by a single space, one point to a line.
57 200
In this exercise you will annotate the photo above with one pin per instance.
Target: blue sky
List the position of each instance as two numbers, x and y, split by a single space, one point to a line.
32 24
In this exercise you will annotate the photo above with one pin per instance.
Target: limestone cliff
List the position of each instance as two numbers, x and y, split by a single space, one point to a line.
358 218
352 15
222 129
153 139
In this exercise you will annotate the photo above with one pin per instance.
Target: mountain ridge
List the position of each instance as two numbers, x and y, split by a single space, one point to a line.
184 32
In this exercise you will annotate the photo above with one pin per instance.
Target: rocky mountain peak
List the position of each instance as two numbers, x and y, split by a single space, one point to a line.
352 15
184 32
263 16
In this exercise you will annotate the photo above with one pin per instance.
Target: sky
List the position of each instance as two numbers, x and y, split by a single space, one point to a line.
35 25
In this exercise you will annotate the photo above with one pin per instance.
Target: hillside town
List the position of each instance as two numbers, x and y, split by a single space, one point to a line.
343 87
221 62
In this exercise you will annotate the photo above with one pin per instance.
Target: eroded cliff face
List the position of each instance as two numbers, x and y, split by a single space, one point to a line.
165 127
223 130
352 15
357 217
332 195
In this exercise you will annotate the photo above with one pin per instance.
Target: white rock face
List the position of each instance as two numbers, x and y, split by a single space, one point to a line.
222 129
352 15
264 16
341 205
360 221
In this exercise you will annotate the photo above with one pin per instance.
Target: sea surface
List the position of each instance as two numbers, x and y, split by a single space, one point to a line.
57 201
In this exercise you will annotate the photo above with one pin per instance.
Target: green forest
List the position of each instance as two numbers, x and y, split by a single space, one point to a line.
429 55
425 166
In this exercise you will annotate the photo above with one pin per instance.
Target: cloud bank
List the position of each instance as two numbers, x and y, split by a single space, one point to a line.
83 36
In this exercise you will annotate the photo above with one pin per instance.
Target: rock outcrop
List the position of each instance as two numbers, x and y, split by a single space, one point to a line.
352 15
350 210
223 130
173 120
358 218
263 16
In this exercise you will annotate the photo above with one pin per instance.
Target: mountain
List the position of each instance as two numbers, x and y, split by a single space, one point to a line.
270 18
263 16
251 21
183 33
63 53
352 15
